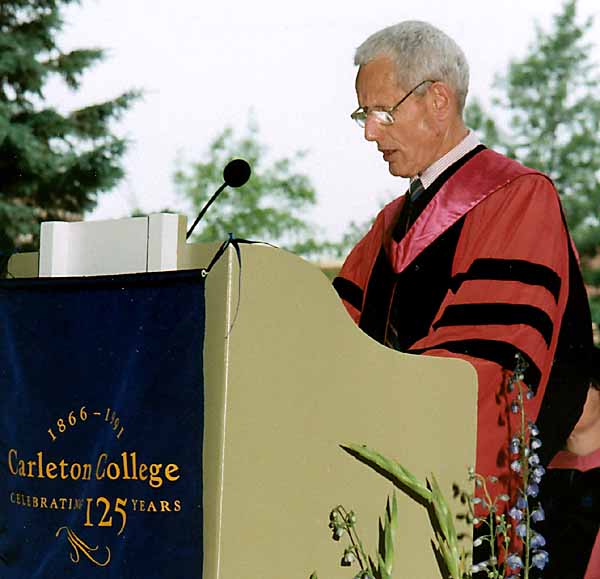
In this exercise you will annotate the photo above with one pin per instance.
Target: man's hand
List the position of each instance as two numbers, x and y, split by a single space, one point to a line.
585 437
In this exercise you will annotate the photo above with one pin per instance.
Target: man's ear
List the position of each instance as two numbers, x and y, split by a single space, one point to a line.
442 99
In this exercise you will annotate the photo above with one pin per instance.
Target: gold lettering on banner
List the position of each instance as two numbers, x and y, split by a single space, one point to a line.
110 512
80 546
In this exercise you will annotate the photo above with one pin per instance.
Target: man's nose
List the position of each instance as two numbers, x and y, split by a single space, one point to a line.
372 128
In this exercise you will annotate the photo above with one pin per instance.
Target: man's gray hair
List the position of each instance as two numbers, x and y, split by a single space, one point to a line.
420 52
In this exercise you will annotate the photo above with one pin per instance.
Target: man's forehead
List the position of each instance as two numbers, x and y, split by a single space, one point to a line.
377 76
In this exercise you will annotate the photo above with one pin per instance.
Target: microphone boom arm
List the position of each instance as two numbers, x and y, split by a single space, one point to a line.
204 210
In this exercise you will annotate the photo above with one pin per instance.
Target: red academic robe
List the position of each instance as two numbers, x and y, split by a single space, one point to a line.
486 271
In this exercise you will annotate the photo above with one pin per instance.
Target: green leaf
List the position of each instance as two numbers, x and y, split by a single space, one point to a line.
400 476
383 572
388 533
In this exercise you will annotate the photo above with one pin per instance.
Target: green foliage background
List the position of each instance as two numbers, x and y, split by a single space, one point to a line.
272 206
52 165
548 104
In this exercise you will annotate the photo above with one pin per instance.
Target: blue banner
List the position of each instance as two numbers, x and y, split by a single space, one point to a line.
101 425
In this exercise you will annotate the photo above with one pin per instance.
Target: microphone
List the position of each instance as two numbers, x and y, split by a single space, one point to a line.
235 174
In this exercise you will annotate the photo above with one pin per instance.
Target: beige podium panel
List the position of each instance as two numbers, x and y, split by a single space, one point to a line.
288 378
298 379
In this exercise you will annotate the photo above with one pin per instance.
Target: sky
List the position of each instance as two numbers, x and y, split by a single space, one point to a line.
206 65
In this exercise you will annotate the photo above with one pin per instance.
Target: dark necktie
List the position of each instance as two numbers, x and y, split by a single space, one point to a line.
415 189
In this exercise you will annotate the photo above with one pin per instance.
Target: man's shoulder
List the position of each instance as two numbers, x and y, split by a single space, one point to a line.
497 163
490 171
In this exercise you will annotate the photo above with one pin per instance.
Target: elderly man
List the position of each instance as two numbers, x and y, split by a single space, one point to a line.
475 261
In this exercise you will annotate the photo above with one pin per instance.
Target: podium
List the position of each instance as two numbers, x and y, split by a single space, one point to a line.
288 378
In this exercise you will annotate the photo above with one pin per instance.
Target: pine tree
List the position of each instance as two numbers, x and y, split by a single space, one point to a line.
52 165
551 99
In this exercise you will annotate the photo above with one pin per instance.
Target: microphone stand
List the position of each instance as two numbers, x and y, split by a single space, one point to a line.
204 209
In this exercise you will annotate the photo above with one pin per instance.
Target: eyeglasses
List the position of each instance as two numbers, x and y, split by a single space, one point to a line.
382 115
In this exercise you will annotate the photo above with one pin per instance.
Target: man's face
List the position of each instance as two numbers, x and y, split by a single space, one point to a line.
411 143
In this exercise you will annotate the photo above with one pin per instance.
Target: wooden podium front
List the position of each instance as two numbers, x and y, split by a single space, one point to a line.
288 378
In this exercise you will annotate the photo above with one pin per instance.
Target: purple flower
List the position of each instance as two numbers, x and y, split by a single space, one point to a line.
521 530
538 515
537 541
535 431
521 502
539 471
539 559
478 567
530 394
515 444
514 561
514 407
515 514
532 490
536 443
515 466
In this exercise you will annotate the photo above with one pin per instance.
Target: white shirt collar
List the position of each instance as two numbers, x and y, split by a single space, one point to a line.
436 169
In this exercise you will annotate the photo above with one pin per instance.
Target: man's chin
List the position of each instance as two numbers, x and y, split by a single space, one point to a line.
398 171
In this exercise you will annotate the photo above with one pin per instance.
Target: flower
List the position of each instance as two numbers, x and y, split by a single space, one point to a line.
533 429
521 502
515 514
348 559
537 541
514 407
534 459
537 474
536 443
515 466
515 444
532 490
540 559
521 530
514 561
538 515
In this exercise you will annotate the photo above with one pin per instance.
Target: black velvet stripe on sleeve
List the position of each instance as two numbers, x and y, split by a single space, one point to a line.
502 353
497 314
349 291
510 270
374 317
